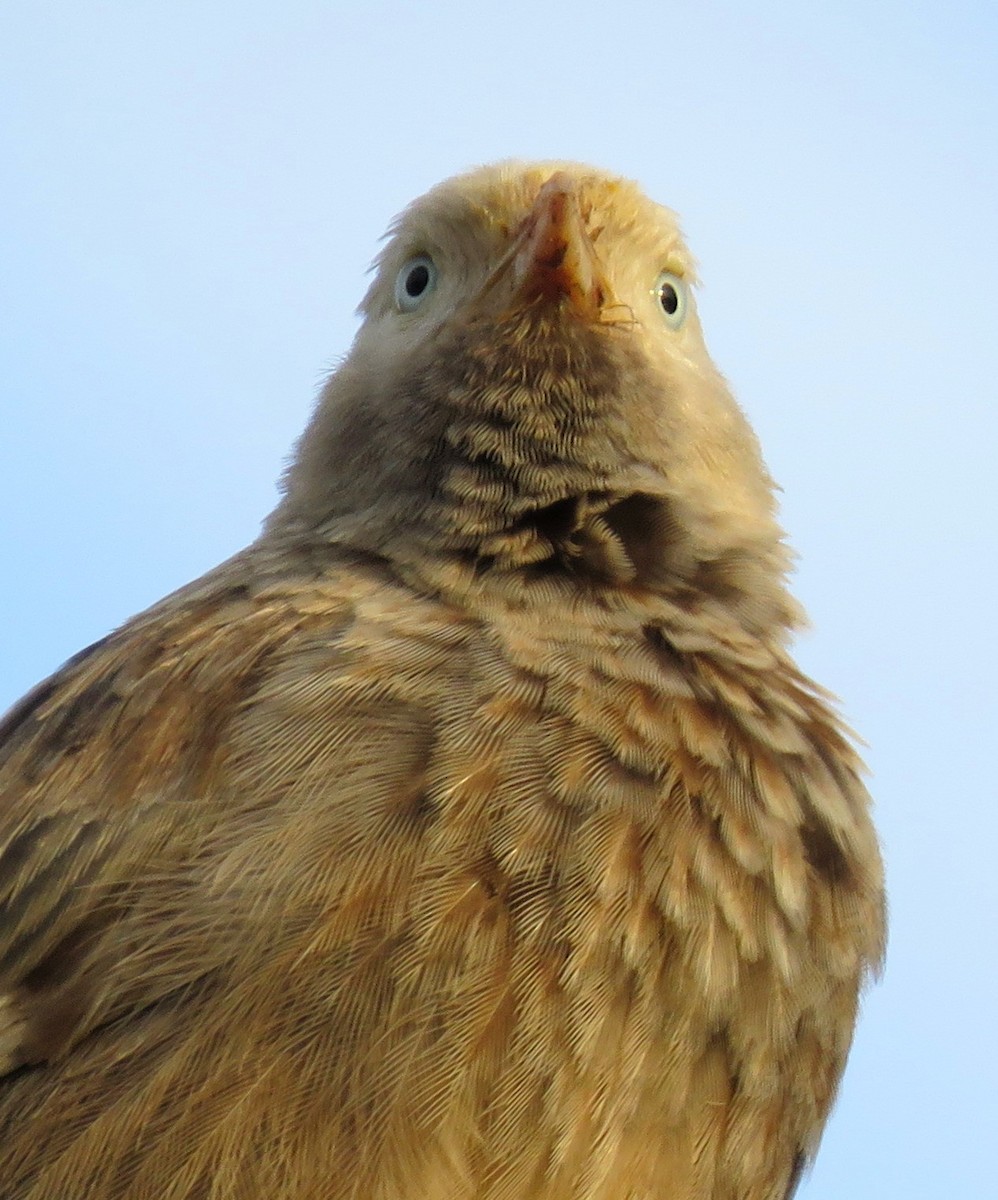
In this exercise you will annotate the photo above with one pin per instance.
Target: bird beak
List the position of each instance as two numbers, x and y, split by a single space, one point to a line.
554 260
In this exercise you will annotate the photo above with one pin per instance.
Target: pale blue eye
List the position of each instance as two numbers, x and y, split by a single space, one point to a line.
671 293
415 282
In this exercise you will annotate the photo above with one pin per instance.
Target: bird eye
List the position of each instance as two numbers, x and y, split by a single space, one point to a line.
670 292
414 282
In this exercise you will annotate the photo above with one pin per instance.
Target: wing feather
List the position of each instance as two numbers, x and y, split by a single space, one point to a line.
104 773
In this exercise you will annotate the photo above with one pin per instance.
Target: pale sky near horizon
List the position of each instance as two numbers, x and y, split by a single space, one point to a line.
190 194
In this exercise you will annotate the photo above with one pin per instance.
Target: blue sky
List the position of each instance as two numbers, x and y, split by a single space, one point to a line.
190 194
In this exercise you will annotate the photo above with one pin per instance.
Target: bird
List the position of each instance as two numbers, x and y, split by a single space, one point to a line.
473 833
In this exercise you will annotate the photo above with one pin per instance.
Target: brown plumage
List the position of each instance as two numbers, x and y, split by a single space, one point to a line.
471 835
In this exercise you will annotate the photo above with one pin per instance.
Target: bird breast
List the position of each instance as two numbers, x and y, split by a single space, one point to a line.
604 916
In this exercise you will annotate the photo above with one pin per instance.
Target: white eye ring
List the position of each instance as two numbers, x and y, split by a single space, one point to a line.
671 294
415 281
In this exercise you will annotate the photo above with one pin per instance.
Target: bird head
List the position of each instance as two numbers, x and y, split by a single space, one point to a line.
530 241
530 401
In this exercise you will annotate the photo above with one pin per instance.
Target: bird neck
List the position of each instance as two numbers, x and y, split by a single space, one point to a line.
518 472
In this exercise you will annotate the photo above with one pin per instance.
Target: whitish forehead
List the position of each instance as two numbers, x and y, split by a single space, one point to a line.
496 199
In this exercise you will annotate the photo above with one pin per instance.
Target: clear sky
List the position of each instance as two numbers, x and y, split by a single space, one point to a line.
190 193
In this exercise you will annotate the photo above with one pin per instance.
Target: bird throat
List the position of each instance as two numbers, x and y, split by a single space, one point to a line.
536 471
